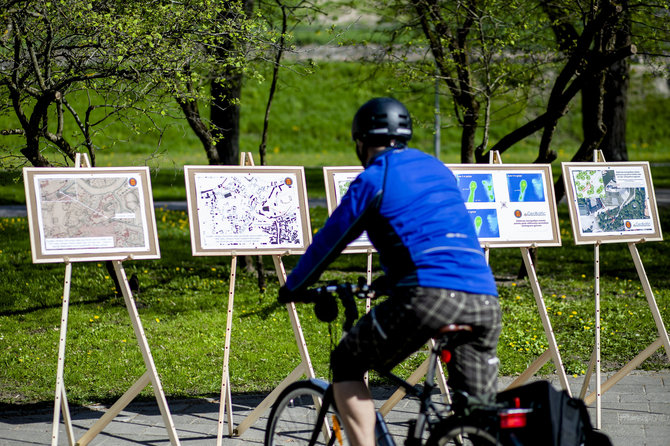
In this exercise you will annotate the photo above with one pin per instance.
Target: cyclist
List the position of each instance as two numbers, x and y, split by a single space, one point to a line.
412 209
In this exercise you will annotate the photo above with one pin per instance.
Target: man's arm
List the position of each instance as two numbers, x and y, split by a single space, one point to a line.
345 224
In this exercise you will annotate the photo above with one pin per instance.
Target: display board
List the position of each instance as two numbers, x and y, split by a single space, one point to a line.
89 214
511 205
337 181
612 202
244 210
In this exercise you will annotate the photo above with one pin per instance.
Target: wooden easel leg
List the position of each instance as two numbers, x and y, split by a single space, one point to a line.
596 251
589 373
295 375
304 368
532 369
146 353
116 409
368 303
67 418
661 341
546 323
625 370
60 400
414 378
225 375
295 321
651 301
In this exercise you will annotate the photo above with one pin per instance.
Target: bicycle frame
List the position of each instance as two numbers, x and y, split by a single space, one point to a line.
424 395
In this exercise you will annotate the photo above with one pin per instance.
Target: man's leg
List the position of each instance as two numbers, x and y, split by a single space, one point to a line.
355 405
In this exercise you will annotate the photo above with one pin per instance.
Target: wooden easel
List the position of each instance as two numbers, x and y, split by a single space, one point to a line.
552 352
149 377
594 363
303 369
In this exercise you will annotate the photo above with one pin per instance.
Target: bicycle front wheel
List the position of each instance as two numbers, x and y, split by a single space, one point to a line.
294 416
460 433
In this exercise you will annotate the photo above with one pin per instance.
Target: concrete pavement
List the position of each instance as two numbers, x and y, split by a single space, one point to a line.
636 411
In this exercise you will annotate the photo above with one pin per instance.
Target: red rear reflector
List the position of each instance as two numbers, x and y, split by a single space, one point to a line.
513 419
446 356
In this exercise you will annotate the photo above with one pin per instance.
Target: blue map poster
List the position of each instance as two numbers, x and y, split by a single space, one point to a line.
510 204
486 222
524 187
476 187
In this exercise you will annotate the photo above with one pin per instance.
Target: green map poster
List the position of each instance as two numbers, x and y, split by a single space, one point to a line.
611 202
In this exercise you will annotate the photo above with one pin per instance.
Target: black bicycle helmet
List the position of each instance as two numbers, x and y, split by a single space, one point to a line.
380 120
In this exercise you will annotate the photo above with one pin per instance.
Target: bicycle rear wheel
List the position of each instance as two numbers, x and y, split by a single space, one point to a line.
294 417
461 433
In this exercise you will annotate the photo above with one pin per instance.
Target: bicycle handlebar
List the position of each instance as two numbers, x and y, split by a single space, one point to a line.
325 300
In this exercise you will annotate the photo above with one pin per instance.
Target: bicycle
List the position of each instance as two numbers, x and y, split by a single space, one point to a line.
305 412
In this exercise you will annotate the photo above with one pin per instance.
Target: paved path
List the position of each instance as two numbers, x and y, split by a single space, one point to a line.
636 412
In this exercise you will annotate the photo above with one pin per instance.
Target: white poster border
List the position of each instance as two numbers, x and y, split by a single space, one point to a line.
635 174
203 246
332 177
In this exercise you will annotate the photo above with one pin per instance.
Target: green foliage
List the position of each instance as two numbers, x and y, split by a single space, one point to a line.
183 299
117 60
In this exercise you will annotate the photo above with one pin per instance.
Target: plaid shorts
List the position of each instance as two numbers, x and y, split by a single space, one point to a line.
404 322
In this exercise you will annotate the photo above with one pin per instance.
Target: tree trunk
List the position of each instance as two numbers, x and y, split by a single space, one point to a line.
226 92
617 80
225 117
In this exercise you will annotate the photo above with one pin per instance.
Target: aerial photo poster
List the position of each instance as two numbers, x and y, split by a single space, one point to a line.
511 205
611 202
85 214
247 210
337 181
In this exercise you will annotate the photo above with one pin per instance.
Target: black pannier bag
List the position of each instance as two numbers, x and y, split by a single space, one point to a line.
556 420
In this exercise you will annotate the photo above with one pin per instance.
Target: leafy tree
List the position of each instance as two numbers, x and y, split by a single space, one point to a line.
123 56
51 50
484 48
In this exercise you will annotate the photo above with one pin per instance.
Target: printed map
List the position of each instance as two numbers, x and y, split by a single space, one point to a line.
84 213
342 182
249 210
611 200
476 187
525 187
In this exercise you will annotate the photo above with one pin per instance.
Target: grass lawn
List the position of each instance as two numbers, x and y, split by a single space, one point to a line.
182 300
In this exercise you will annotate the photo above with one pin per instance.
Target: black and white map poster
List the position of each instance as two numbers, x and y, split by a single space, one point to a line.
90 213
510 204
611 202
247 209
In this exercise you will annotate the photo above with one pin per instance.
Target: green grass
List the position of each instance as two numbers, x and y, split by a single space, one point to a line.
313 129
183 300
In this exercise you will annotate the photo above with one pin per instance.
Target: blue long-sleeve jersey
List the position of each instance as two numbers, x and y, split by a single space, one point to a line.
413 212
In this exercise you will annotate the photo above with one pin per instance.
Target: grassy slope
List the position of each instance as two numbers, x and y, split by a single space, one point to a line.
183 298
